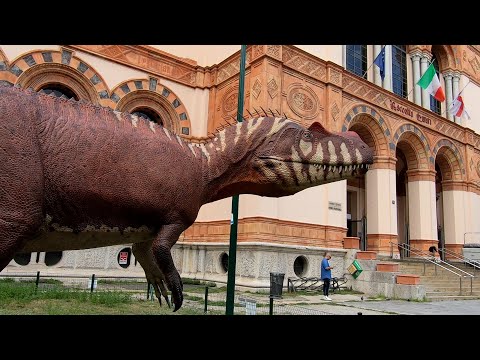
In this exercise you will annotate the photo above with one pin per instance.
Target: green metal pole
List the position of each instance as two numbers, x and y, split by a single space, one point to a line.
232 253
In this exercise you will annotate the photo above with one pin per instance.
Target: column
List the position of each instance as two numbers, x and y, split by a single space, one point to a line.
422 209
376 71
423 67
456 82
387 81
417 95
454 206
448 93
381 196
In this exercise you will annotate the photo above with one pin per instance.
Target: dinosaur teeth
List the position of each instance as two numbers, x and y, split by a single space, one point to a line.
324 167
354 167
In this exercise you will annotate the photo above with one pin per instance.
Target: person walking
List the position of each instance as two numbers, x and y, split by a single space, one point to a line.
326 274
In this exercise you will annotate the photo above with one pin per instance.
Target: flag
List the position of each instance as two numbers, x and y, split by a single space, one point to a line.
429 81
458 108
380 62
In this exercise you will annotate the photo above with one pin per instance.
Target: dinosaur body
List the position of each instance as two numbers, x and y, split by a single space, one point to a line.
74 176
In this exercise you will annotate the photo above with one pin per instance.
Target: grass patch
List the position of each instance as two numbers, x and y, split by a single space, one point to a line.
121 282
19 292
201 289
76 307
192 298
21 298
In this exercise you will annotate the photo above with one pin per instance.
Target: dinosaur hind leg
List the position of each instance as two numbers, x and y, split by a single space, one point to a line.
161 248
12 239
143 253
21 181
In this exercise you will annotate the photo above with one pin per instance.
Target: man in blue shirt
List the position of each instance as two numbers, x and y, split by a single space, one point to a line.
326 274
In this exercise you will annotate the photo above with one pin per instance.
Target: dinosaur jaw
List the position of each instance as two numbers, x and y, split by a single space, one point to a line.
298 174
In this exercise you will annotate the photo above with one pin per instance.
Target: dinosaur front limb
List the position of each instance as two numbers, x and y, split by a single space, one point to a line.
143 253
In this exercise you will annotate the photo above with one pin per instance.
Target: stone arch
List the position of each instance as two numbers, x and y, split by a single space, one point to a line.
3 58
131 94
449 160
6 77
40 67
445 57
413 143
371 127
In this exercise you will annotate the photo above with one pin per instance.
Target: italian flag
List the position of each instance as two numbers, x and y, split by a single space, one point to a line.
429 81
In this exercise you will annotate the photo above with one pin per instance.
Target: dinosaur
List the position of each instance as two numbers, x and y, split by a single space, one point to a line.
74 175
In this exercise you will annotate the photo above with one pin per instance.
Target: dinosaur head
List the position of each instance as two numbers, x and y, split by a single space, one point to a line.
292 158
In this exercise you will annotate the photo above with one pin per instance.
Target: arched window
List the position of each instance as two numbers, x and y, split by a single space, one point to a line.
356 59
399 70
435 105
58 90
149 114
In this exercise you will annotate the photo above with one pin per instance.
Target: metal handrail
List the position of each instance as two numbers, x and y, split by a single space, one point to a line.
464 259
427 257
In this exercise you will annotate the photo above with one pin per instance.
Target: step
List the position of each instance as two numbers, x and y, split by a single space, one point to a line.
452 290
451 297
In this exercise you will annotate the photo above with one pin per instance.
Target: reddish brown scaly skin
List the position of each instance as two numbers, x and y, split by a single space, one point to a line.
85 167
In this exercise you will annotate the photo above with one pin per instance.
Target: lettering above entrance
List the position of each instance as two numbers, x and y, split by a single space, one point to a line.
409 113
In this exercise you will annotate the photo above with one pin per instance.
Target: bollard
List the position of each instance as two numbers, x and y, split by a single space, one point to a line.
92 284
271 306
37 281
205 309
148 289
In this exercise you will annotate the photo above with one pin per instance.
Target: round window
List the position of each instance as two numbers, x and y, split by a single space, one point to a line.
53 257
224 262
300 266
22 259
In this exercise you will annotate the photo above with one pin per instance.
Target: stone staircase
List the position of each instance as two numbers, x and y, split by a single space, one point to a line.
441 284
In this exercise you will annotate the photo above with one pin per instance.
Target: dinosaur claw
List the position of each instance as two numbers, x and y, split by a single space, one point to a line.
176 287
168 302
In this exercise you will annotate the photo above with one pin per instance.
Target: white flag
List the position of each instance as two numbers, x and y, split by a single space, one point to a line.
458 108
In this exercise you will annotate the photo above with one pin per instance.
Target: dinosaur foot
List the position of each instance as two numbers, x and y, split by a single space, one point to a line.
175 285
160 290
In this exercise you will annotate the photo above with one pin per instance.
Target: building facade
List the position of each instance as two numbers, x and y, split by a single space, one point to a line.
423 188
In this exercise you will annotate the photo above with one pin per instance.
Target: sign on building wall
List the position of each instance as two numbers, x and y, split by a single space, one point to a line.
124 257
334 206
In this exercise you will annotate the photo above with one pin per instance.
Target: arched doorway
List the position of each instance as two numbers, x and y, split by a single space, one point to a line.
368 209
356 187
415 184
450 199
401 168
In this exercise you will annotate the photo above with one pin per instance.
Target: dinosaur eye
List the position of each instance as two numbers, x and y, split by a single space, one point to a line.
307 135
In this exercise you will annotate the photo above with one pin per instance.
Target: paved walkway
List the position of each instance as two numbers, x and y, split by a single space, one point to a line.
352 305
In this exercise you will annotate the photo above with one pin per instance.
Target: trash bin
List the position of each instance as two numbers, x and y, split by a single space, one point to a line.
276 285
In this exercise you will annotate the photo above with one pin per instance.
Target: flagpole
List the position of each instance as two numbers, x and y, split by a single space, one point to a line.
373 62
468 82
419 79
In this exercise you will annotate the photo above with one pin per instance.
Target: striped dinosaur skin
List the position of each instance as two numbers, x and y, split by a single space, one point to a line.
277 157
76 176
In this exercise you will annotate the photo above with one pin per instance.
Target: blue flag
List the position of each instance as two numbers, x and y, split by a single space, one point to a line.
380 62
